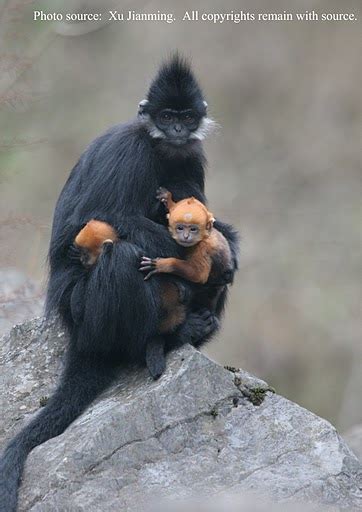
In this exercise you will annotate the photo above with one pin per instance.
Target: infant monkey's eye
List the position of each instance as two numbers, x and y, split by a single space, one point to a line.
194 229
180 228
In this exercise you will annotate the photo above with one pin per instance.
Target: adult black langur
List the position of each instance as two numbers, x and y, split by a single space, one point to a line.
111 314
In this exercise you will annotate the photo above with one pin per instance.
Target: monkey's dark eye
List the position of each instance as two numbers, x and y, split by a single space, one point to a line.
180 228
194 229
189 119
166 117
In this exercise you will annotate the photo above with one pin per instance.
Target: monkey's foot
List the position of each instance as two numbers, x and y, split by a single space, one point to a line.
201 324
148 265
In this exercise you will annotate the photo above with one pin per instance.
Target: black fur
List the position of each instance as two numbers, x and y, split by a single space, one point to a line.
175 87
155 356
110 312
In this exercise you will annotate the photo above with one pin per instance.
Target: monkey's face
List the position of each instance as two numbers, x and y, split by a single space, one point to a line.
177 128
189 222
177 125
175 111
187 235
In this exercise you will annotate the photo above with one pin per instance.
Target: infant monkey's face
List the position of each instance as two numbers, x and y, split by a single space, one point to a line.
87 258
187 235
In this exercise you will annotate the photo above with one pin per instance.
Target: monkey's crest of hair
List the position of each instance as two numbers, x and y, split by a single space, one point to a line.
176 87
190 210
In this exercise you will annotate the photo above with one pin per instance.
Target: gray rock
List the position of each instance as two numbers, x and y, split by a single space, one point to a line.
200 430
21 298
353 436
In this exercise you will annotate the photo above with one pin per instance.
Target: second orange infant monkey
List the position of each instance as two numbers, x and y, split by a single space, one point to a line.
91 238
191 225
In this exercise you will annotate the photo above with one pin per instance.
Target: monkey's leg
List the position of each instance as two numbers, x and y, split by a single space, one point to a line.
155 357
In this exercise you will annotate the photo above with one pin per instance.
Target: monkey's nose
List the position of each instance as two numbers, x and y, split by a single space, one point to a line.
186 236
177 128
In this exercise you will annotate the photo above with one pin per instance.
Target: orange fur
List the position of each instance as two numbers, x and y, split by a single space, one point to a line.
174 313
92 237
208 241
190 211
198 263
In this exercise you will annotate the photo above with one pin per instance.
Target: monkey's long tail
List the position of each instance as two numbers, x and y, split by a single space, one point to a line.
84 378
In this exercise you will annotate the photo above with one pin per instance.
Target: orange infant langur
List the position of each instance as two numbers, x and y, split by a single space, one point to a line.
91 238
191 225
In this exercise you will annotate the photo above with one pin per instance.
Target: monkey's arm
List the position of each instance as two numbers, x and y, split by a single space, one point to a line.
191 270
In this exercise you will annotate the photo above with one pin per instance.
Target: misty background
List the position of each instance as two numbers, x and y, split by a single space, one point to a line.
284 168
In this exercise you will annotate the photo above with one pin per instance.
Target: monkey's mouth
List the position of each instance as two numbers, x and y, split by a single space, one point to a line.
186 243
178 141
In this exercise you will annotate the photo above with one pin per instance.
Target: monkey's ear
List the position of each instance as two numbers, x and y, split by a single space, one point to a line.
210 222
142 107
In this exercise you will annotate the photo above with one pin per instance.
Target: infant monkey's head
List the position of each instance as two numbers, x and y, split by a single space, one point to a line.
91 239
190 222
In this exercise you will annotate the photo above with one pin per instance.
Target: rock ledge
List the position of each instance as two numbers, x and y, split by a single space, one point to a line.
200 430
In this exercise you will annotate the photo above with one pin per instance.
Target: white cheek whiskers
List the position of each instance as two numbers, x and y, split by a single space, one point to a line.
206 127
152 129
156 133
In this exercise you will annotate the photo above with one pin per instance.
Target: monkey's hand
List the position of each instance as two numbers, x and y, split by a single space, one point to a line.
149 265
75 253
163 195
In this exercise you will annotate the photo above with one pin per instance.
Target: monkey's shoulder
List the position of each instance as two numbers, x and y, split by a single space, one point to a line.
127 141
121 137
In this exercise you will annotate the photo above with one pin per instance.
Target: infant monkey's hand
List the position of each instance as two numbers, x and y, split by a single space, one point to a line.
163 195
148 265
74 253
